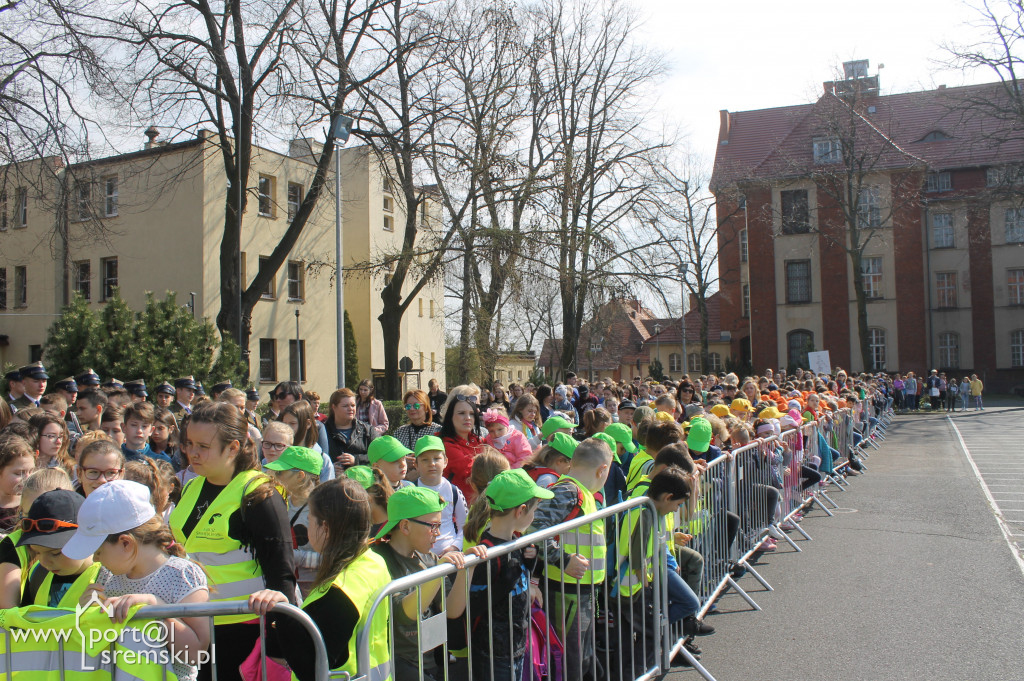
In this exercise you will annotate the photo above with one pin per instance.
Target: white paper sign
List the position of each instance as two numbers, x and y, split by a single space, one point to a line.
819 362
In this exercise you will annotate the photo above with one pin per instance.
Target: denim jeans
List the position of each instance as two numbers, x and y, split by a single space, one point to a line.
681 599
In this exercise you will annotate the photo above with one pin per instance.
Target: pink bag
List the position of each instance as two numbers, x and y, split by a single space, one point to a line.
251 671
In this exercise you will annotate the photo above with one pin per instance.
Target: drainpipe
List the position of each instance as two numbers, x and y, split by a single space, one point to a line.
928 286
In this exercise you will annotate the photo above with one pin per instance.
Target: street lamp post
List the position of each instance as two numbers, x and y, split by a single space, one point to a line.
657 342
340 130
298 348
682 320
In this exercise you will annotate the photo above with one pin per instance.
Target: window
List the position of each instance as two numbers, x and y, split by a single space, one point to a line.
827 150
675 362
1005 176
800 341
268 360
993 177
423 367
21 207
595 344
20 286
795 216
294 199
1017 348
869 208
389 223
945 289
798 281
35 353
693 362
431 308
82 201
876 345
743 245
296 281
83 279
3 288
871 276
746 300
110 197
714 362
271 291
935 136
1014 225
108 273
297 360
942 230
419 302
266 196
949 350
1015 286
433 362
389 204
939 182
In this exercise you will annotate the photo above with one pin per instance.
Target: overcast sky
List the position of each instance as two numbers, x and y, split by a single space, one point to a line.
744 55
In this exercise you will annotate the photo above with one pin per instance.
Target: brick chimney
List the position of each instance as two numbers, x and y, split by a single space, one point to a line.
725 126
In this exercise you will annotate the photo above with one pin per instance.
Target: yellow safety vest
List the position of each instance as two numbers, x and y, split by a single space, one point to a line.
588 541
232 571
74 594
23 560
640 466
361 581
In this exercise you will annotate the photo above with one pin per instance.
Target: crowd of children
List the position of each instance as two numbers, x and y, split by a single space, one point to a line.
106 496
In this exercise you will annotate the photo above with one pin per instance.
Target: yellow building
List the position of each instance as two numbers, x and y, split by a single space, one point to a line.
515 367
151 221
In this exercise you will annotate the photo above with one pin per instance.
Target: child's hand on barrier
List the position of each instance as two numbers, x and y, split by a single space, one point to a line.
701 464
264 601
120 605
455 558
682 539
577 567
94 588
530 552
479 551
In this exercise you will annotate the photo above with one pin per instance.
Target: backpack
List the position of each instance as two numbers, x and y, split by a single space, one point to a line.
537 471
538 651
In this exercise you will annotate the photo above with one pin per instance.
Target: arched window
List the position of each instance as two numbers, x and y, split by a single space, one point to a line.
714 362
1017 348
675 362
949 350
876 344
800 341
693 361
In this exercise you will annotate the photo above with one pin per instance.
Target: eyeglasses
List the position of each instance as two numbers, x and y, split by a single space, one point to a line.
97 473
45 525
53 438
434 527
473 399
274 447
413 406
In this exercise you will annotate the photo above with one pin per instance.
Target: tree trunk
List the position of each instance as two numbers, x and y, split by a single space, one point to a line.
702 309
391 326
862 311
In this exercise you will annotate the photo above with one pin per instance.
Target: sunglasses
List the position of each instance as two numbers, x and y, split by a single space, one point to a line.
46 525
97 473
413 406
472 399
434 527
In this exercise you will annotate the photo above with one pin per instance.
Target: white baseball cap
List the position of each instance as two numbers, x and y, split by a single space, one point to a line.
112 508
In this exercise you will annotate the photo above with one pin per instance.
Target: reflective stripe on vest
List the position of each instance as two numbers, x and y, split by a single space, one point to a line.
73 594
628 572
361 581
587 540
233 572
640 465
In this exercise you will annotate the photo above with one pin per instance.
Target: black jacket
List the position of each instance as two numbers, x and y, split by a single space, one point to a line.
356 445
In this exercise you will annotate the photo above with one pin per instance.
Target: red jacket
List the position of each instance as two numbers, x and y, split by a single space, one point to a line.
460 455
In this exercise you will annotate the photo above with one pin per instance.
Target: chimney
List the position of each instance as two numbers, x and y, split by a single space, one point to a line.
152 132
724 127
305 149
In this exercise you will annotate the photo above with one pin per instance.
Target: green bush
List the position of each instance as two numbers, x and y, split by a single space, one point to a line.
395 410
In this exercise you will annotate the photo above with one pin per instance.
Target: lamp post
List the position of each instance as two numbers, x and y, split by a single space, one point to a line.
682 320
298 348
340 130
657 342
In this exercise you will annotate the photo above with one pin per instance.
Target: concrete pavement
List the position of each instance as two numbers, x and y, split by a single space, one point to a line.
912 579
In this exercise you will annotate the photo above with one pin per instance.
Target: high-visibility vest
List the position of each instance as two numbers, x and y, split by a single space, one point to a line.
23 559
639 466
632 577
588 541
233 572
361 581
71 596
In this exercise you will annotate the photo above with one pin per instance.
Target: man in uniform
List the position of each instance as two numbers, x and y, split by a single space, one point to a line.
68 389
15 388
33 379
164 395
252 400
113 384
90 379
216 390
184 391
137 389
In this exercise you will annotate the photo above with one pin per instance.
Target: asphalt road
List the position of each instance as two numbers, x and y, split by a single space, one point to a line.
912 579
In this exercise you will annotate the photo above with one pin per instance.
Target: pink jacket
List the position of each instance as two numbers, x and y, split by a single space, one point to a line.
377 417
517 449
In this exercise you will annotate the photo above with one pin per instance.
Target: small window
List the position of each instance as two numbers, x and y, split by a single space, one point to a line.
419 302
433 362
1015 286
82 202
935 136
108 271
294 199
296 281
939 182
421 361
595 345
297 360
743 245
876 344
798 281
35 353
871 277
827 150
3 288
21 286
869 208
801 342
942 230
271 291
746 301
389 223
266 196
1017 348
693 362
675 362
1005 176
795 214
1015 225
21 207
389 204
949 350
83 279
431 308
110 197
268 360
945 290
714 362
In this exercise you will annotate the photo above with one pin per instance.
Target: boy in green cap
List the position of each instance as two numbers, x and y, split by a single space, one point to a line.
387 455
297 470
414 522
555 424
499 602
552 461
431 462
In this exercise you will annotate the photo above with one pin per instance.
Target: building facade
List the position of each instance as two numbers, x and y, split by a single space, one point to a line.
150 221
938 194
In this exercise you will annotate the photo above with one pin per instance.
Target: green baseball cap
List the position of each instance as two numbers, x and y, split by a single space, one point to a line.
387 448
429 443
410 502
699 437
301 458
565 444
361 474
622 434
509 489
608 440
552 424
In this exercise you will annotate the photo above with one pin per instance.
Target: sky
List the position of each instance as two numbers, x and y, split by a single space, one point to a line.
743 55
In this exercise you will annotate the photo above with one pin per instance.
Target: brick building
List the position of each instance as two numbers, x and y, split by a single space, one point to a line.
943 272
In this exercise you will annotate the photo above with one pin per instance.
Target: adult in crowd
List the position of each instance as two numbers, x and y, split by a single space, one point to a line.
348 438
686 393
437 397
460 434
369 409
420 419
546 398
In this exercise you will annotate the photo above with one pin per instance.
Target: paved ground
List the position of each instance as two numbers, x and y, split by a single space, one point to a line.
913 579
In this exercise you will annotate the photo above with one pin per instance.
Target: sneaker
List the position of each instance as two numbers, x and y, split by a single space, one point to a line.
776 534
767 547
787 527
695 627
692 647
735 572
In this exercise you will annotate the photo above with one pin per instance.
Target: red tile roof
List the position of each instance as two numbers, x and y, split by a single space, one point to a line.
670 330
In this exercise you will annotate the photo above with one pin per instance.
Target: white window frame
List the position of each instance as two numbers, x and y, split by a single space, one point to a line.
271 291
1017 348
942 231
675 362
83 200
827 150
82 284
876 345
294 201
939 182
298 282
389 223
869 208
744 248
1015 286
21 207
871 277
714 362
272 359
20 286
265 195
945 290
110 196
107 283
1014 225
949 350
388 203
745 304
791 300
693 362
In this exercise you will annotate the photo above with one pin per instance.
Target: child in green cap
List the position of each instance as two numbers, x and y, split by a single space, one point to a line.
431 462
552 461
297 470
387 454
500 596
